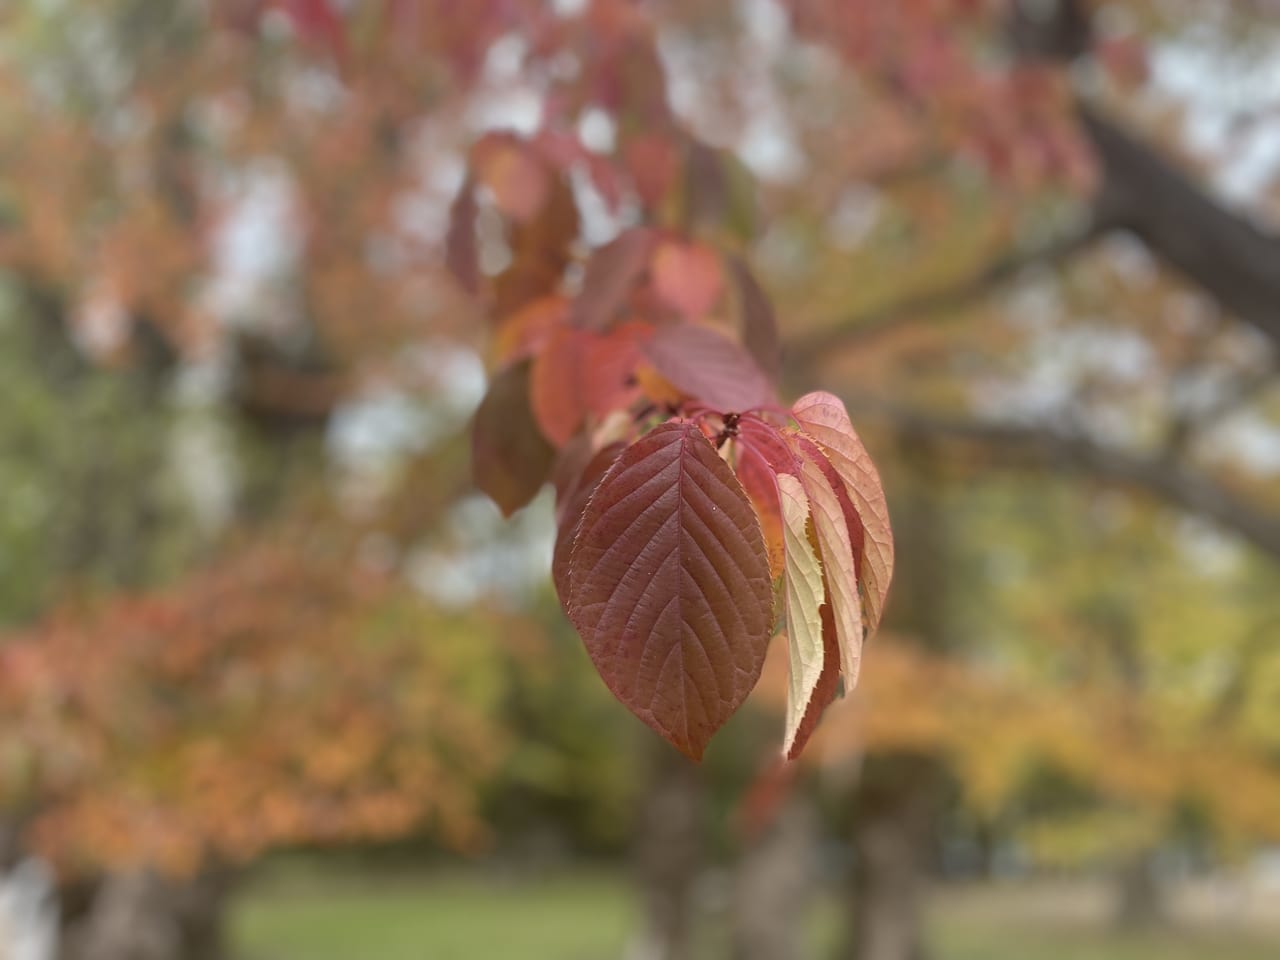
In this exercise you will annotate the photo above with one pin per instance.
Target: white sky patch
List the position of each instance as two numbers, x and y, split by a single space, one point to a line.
766 145
1048 388
385 423
1218 86
509 102
485 555
1250 439
256 246
597 131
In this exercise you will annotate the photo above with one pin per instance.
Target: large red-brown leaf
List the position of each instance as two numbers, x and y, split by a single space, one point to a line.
669 586
509 457
706 365
610 274
822 416
573 495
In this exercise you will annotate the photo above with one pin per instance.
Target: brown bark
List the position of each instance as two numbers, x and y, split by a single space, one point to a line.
1039 446
1141 902
893 822
895 806
774 884
669 856
141 915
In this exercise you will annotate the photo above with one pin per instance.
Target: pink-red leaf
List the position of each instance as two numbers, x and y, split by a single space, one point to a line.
822 417
518 180
669 587
761 485
610 274
580 373
706 365
509 457
687 277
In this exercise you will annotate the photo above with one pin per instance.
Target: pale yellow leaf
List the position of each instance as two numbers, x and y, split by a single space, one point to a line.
836 549
802 587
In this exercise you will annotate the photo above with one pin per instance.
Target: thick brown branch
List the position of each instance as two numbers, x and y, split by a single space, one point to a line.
1039 446
1222 252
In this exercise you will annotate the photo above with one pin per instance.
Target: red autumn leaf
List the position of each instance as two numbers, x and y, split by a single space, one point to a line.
571 502
767 440
755 312
706 365
822 417
540 250
760 482
461 254
317 23
514 175
610 274
509 457
580 373
653 162
669 587
687 277
525 332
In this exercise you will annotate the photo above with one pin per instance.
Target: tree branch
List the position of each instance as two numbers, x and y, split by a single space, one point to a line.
805 351
1220 251
1038 446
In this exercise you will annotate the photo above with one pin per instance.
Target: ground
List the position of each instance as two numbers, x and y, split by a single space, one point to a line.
325 914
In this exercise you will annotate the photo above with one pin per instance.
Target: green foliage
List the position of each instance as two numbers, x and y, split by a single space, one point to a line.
91 499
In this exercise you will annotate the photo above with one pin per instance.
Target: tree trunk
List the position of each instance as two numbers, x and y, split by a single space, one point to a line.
141 915
669 850
892 838
1141 902
897 797
774 886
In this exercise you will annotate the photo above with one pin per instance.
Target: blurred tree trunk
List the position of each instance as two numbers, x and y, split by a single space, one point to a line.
893 820
1141 901
669 854
774 885
141 915
895 803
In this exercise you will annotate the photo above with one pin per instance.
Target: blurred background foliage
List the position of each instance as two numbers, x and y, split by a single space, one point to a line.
276 683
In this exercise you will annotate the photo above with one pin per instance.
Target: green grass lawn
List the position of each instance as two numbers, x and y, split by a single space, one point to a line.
324 915
579 917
